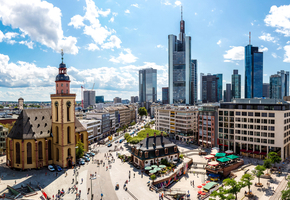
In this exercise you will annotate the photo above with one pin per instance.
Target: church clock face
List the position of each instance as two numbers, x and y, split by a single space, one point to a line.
56 104
68 103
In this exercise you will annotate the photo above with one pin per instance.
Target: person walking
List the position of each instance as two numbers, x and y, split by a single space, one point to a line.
88 190
134 175
82 180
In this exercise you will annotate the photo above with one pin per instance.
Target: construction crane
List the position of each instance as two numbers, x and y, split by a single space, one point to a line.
82 95
93 87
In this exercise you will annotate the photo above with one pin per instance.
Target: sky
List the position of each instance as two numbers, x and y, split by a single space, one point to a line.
106 42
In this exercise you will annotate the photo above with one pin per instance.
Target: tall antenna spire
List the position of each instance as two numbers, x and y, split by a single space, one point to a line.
61 55
249 37
181 14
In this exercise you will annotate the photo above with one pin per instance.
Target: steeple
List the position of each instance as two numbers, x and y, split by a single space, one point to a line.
182 27
62 79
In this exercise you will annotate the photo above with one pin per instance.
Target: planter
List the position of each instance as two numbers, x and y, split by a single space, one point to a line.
258 184
266 176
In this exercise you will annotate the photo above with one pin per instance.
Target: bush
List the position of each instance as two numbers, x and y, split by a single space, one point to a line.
153 177
133 123
126 136
181 156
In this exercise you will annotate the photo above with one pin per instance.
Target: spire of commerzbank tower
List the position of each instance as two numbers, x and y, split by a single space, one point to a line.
182 27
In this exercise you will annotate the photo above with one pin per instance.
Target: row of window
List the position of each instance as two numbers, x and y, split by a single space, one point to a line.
257 140
238 113
254 133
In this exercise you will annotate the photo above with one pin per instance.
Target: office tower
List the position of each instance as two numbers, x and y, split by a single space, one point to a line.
275 87
148 85
266 90
117 100
228 93
89 98
134 99
165 96
284 82
219 87
236 85
193 82
200 85
209 88
253 72
99 99
179 67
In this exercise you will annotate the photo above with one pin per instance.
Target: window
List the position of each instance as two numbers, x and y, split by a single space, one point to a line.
271 142
68 135
62 91
69 152
61 85
271 135
166 150
68 104
29 153
157 152
264 141
57 134
238 113
66 85
17 153
220 112
40 157
271 114
82 138
49 150
57 154
244 114
264 114
250 113
257 114
264 134
67 91
231 113
226 113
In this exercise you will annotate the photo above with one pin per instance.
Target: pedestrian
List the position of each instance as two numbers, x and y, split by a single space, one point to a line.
52 196
192 182
134 175
15 182
65 174
159 195
88 190
82 180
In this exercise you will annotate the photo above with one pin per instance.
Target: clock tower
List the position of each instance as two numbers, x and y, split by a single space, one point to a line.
63 119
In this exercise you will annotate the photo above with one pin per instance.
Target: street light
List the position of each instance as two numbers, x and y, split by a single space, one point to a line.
92 178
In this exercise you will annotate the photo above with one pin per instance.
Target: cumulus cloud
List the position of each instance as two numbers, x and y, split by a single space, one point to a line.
274 55
235 53
102 35
267 37
127 11
287 54
263 49
135 5
28 44
7 37
167 3
219 42
278 18
159 46
124 58
40 20
177 3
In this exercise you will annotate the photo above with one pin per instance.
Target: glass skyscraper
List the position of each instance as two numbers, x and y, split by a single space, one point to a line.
284 82
275 87
99 99
165 95
193 82
219 87
236 85
253 72
148 85
180 68
209 89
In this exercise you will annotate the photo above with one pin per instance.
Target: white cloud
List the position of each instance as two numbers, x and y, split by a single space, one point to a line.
279 19
7 37
219 42
263 49
159 46
28 44
167 3
288 42
195 13
127 11
126 58
76 21
114 14
135 5
113 42
177 3
274 55
267 37
279 48
40 20
265 74
287 54
92 47
112 19
235 53
252 23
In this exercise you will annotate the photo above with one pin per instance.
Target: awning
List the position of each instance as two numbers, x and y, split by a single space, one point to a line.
256 152
229 152
263 153
214 163
232 157
214 175
209 185
224 159
209 157
220 155
243 150
250 151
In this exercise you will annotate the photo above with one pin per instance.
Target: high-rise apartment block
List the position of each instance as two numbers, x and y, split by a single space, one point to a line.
134 99
200 86
180 68
117 100
275 87
284 82
209 88
148 85
89 98
253 72
266 90
165 96
193 82
236 85
100 99
219 87
228 93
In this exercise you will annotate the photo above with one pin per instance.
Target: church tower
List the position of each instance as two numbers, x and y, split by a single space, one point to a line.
63 120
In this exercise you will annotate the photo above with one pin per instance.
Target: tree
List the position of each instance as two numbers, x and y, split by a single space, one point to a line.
259 171
230 191
153 177
9 126
267 164
274 158
246 179
286 192
80 150
142 111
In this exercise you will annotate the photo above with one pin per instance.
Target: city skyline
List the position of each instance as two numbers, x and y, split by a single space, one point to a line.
109 42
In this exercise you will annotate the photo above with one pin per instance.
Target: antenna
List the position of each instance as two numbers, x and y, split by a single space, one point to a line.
181 14
250 37
61 55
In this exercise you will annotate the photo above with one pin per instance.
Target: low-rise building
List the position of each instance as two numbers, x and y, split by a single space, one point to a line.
104 117
3 135
94 129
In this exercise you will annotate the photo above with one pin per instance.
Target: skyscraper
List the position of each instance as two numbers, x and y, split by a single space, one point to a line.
200 85
193 82
89 98
165 95
209 88
284 82
99 99
219 87
148 85
266 90
180 67
275 87
253 72
134 99
228 93
236 85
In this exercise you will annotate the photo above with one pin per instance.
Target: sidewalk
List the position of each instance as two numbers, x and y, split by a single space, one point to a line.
279 189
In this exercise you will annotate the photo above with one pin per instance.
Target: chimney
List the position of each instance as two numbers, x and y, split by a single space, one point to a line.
154 134
147 135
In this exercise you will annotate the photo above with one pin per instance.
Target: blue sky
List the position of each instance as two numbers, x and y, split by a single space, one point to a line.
107 42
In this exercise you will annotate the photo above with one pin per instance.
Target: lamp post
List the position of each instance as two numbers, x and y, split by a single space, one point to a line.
92 178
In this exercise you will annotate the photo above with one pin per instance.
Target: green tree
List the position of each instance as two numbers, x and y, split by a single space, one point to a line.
126 136
9 126
286 192
1 106
153 177
133 123
246 179
274 158
230 191
142 111
267 164
80 150
259 171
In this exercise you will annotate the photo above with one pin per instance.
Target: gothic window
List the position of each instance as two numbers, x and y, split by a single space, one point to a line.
68 135
57 134
49 150
68 104
57 154
82 138
17 153
56 106
68 152
29 153
40 157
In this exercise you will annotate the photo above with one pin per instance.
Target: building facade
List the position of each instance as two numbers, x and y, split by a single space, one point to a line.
236 85
100 99
89 98
165 95
284 82
193 82
253 72
134 99
148 85
3 135
200 86
266 90
209 89
219 87
255 127
228 93
94 129
275 87
117 100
